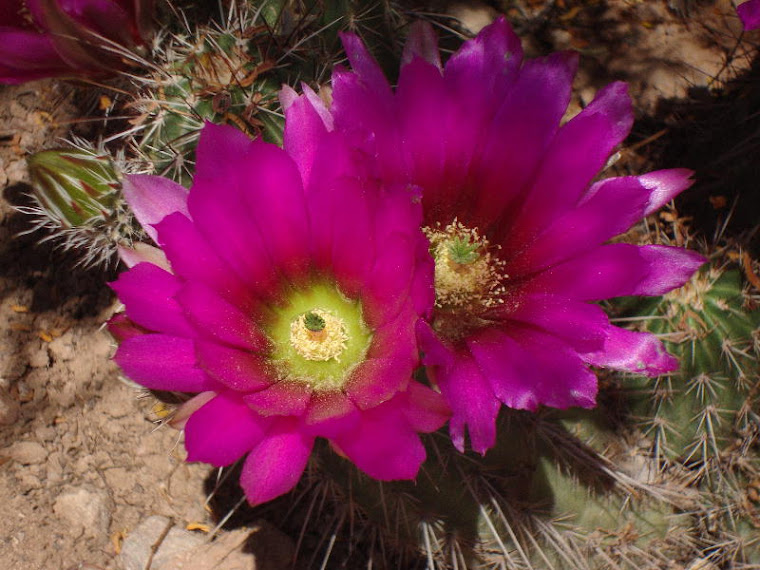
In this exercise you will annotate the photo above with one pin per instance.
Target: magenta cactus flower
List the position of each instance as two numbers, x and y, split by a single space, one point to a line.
54 38
518 228
286 295
749 14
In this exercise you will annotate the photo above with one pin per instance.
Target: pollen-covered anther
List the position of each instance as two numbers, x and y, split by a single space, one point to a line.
318 335
466 272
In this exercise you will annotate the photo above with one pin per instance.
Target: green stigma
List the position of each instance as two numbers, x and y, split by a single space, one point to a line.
463 250
313 322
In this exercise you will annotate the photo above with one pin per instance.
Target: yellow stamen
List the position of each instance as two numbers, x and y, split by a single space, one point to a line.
322 345
467 274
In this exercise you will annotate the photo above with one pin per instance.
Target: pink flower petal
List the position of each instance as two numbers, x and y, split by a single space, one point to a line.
222 431
376 380
482 71
236 369
365 66
306 122
280 399
28 55
218 141
273 193
473 403
330 414
152 198
383 445
389 281
619 269
353 240
426 410
615 205
221 204
275 465
162 362
530 112
665 185
148 292
194 259
421 42
526 368
632 351
749 14
582 325
575 156
214 318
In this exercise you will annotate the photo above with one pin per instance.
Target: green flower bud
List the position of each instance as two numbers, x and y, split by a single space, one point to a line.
76 186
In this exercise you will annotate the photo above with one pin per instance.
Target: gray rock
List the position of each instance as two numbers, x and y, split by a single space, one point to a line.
27 452
158 536
262 547
86 508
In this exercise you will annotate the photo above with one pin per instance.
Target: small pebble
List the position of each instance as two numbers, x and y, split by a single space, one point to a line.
27 452
86 509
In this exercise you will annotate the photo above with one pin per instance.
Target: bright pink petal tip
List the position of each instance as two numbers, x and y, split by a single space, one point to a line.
275 465
152 198
749 14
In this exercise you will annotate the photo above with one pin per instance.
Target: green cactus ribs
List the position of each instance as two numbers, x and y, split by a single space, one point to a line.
711 326
232 71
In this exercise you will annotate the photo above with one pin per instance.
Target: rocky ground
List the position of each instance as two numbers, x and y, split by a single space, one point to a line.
89 476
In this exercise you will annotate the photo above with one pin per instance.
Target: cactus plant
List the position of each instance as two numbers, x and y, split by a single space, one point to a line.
231 71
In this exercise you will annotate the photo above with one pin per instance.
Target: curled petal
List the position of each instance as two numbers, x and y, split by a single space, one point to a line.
121 328
144 253
527 369
152 198
619 269
183 413
665 185
582 325
632 351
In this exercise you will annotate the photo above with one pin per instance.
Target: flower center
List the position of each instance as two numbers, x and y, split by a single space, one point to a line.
467 274
318 337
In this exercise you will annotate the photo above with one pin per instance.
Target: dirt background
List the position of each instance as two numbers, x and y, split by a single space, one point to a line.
84 456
